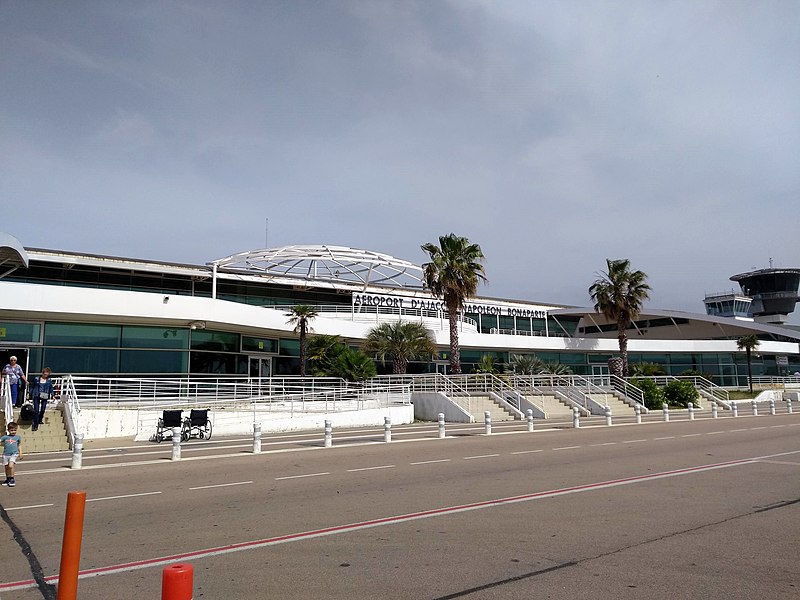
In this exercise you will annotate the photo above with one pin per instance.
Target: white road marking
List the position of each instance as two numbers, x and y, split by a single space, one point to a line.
26 507
124 496
738 430
429 462
633 441
370 468
754 428
669 437
691 435
566 448
605 444
218 485
780 462
715 432
526 452
776 426
481 456
300 476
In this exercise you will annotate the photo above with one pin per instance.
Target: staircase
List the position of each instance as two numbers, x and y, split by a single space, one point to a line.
617 406
554 408
50 437
478 405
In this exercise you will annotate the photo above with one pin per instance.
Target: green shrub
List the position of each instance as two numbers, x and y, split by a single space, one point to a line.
653 395
680 393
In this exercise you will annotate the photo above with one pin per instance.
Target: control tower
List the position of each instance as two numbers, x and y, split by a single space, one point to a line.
774 293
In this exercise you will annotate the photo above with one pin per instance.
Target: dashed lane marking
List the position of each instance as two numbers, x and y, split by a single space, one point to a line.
605 444
526 451
219 485
430 462
300 476
371 468
481 456
27 507
566 448
691 435
669 437
634 441
123 496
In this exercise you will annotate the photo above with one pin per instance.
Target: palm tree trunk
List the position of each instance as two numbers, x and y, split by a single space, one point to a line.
398 365
749 370
302 349
622 337
455 352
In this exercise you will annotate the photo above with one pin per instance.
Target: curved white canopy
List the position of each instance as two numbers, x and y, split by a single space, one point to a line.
12 254
326 263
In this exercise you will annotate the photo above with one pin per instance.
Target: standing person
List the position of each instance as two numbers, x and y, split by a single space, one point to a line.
11 452
14 373
41 391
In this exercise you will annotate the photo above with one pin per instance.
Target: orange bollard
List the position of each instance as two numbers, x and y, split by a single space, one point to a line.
71 546
177 582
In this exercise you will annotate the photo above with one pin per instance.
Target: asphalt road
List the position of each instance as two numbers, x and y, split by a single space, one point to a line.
705 508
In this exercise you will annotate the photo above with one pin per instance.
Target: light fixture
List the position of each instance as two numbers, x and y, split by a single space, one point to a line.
166 299
197 325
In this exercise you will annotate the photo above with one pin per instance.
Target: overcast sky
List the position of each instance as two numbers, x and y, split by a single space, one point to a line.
553 134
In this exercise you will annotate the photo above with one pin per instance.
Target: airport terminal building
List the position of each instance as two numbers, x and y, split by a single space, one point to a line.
102 315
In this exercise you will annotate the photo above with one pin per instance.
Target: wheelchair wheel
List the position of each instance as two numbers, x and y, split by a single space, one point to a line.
185 435
159 437
207 431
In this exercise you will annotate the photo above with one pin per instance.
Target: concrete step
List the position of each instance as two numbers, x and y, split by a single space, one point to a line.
50 437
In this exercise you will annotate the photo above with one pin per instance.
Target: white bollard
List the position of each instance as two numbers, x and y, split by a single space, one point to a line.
487 422
77 451
607 411
735 409
772 406
530 419
637 410
714 410
576 418
666 412
755 408
690 408
176 443
789 405
387 429
256 438
441 426
328 434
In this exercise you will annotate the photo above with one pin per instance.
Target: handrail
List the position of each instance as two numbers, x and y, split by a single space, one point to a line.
628 390
5 394
72 407
700 383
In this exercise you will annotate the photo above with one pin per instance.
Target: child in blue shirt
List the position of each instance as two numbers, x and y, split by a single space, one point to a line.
11 452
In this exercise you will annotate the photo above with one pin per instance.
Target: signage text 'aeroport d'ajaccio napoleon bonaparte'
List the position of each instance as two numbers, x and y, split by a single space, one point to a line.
433 304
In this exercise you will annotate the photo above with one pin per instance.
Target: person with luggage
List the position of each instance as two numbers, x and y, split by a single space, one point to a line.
41 389
15 375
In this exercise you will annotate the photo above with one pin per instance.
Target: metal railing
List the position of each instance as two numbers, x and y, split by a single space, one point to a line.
68 396
627 390
706 388
295 392
5 396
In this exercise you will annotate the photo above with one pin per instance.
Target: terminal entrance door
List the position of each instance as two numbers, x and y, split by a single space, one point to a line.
601 372
260 366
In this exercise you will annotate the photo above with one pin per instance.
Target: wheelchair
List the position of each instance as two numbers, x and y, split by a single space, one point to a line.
197 424
169 420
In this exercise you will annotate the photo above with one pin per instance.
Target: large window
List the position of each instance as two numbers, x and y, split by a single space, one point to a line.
81 360
220 341
155 337
153 361
79 334
24 333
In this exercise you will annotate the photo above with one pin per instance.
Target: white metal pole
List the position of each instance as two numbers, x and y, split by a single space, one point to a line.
714 409
256 438
441 426
690 408
530 419
789 405
387 429
637 410
576 418
772 406
328 434
754 405
77 451
607 411
735 409
487 422
666 412
176 443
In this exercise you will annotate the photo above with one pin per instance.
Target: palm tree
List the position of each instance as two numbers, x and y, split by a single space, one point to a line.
618 295
403 341
300 316
524 364
453 275
748 343
487 365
